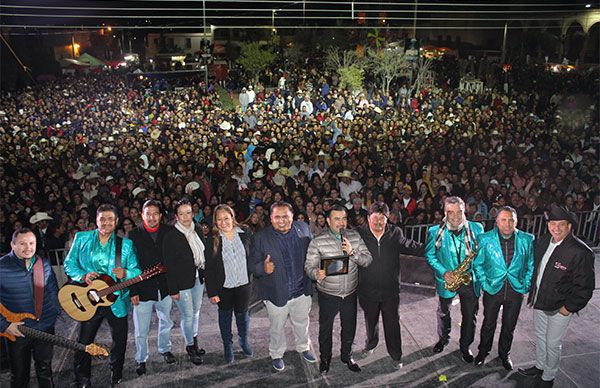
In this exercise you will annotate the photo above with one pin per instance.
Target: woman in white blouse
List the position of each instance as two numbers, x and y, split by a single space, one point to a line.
227 277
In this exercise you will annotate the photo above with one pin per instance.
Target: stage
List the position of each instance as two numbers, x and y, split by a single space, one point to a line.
580 364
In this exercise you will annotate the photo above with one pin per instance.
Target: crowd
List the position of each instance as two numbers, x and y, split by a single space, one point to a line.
71 144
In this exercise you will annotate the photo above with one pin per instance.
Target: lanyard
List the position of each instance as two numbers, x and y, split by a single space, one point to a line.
458 248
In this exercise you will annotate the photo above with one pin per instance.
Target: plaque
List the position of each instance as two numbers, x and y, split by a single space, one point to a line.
335 265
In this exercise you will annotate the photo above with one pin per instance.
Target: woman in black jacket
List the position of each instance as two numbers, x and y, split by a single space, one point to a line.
183 254
227 277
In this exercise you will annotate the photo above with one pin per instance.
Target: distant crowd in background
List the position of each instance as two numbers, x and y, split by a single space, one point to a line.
69 145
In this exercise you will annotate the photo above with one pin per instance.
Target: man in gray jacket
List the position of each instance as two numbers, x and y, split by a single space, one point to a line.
337 293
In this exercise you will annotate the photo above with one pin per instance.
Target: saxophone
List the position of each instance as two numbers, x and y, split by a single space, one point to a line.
462 275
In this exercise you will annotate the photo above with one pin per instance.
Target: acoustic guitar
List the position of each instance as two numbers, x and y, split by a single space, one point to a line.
80 300
91 349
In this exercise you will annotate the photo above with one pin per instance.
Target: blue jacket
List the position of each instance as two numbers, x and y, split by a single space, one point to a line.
274 287
16 292
444 259
80 261
490 265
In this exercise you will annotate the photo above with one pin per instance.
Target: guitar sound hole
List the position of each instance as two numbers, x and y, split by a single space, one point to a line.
76 302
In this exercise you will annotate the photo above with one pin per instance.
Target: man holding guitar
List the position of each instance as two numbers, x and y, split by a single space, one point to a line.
94 254
28 285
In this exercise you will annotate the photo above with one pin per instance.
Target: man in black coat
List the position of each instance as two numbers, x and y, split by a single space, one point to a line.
563 282
378 284
151 293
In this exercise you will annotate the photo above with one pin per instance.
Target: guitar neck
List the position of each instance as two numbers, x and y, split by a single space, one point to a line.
53 339
120 286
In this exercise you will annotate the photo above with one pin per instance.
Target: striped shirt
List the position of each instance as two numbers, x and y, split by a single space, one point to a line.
234 260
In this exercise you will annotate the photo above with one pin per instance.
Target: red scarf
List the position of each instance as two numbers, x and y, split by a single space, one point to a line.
149 229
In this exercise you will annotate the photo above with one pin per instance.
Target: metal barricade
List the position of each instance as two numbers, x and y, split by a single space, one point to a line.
57 258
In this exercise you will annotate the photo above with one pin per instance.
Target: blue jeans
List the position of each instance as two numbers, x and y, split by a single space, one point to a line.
189 304
142 315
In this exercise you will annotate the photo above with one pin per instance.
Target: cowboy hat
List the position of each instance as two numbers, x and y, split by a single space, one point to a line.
345 174
225 125
560 213
193 185
258 173
284 171
278 179
268 154
136 191
274 165
39 216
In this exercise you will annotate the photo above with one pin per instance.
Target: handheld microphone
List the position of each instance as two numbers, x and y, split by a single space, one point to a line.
342 238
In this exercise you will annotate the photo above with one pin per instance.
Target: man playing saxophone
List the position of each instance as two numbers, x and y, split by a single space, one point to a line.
450 250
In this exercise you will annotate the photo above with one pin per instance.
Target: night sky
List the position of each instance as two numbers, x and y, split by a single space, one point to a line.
288 14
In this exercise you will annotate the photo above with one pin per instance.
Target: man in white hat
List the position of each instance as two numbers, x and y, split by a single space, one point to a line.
251 95
39 225
244 99
297 165
348 185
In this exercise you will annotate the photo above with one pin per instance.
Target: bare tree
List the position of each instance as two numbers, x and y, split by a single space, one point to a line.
387 65
336 59
423 66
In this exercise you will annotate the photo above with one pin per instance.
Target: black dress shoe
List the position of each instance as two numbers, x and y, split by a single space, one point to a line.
169 357
467 356
539 383
479 360
437 348
507 363
115 379
140 369
533 371
192 352
324 367
353 366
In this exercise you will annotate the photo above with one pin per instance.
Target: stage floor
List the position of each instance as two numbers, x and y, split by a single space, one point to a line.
580 364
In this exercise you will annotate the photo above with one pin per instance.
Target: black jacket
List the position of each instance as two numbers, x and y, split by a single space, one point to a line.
179 260
568 279
379 281
149 253
215 270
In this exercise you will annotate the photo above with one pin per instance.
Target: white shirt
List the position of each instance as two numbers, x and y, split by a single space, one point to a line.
551 247
346 189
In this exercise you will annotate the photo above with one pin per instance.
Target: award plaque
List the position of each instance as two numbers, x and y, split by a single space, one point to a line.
335 265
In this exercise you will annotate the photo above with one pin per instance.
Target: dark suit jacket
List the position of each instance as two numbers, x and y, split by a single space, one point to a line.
568 278
274 287
149 253
215 270
179 260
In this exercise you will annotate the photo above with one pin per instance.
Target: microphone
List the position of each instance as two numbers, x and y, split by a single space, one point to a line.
342 238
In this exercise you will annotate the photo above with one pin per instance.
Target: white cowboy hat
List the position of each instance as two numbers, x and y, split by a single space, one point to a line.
345 174
268 154
78 175
274 165
136 191
145 162
278 179
39 216
225 125
192 186
258 173
93 175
